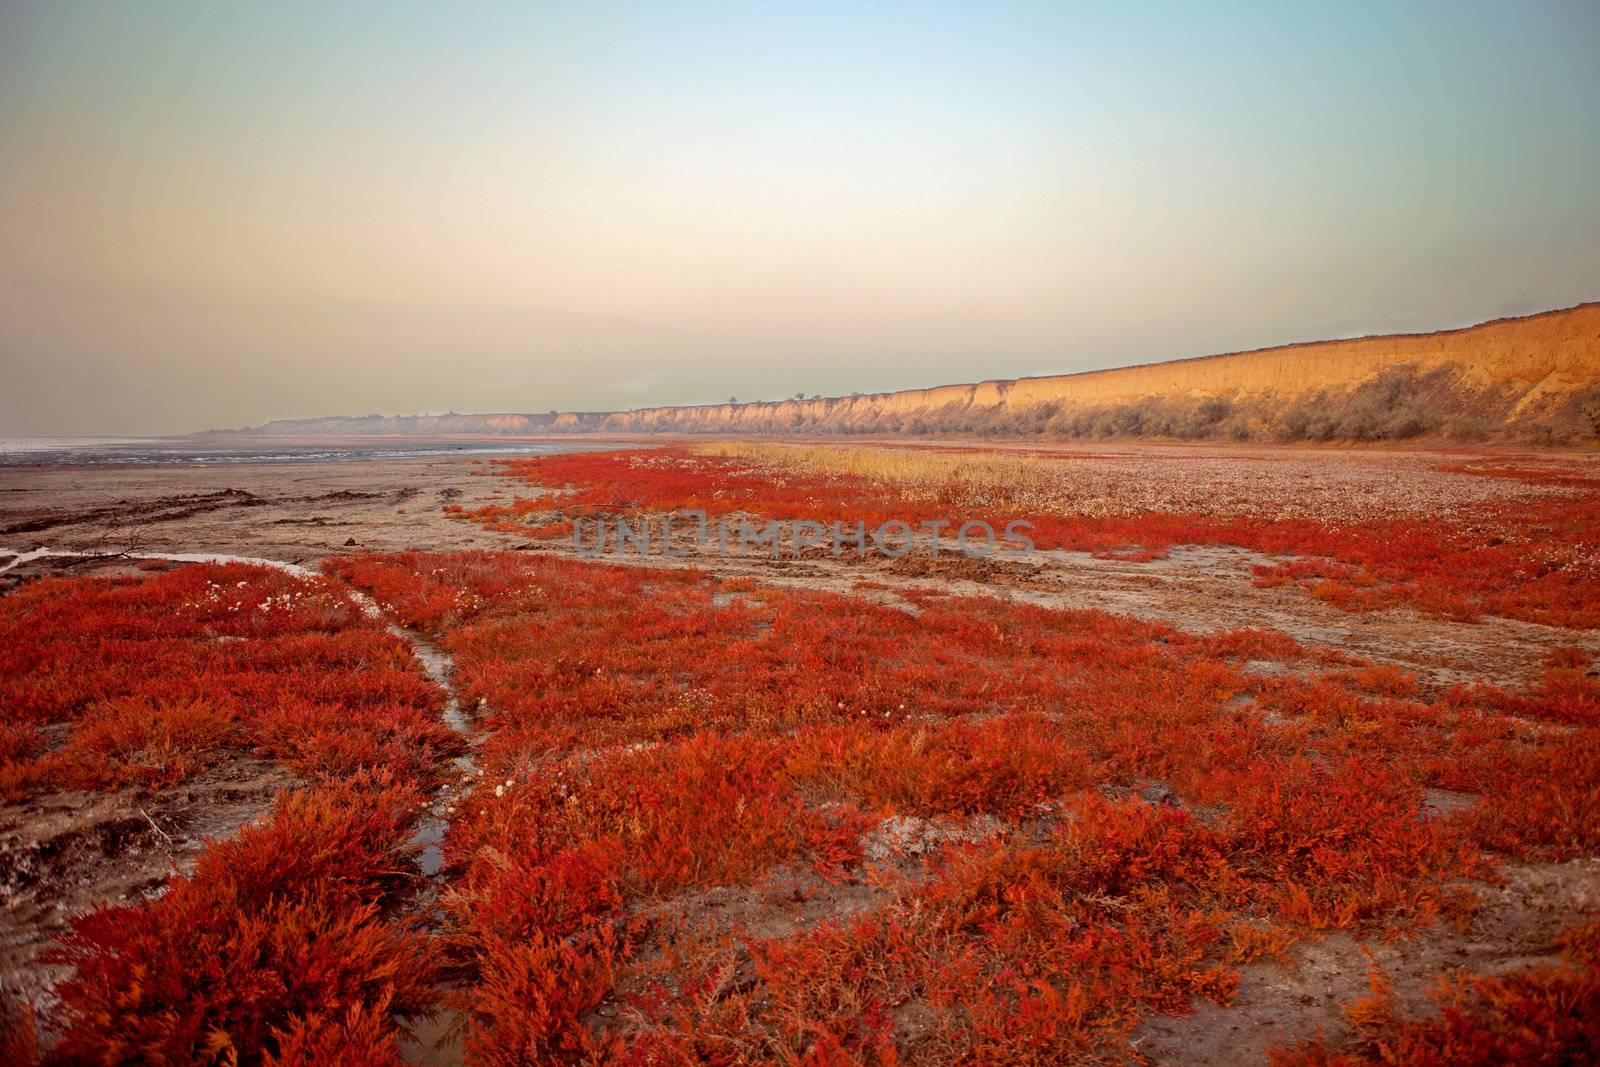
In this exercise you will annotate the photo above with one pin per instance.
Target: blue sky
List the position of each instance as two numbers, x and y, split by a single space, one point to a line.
221 213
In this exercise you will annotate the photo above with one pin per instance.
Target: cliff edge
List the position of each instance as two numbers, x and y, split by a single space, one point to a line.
1535 377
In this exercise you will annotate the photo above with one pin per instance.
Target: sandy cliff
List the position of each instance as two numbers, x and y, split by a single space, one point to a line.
1538 374
1529 367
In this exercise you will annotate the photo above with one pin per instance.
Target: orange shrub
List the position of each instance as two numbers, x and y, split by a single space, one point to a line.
1546 1015
1538 566
281 923
132 740
160 676
1005 766
650 733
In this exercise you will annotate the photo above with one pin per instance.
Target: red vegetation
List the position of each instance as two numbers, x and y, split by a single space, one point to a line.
133 740
1548 1015
1533 559
155 678
719 822
284 944
1062 821
274 929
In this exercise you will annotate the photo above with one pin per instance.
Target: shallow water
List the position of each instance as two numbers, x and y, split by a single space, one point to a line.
166 451
431 828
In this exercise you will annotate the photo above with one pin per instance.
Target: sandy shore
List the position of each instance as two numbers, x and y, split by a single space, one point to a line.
295 512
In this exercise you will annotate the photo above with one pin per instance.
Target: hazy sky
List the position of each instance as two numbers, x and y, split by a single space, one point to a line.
214 213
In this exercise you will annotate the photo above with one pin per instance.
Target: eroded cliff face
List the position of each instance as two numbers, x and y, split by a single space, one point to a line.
1540 372
1510 369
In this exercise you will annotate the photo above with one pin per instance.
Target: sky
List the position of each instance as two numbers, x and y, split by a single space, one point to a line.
214 214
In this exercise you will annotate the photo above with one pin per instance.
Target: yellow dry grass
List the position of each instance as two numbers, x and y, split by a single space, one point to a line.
969 478
1327 486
